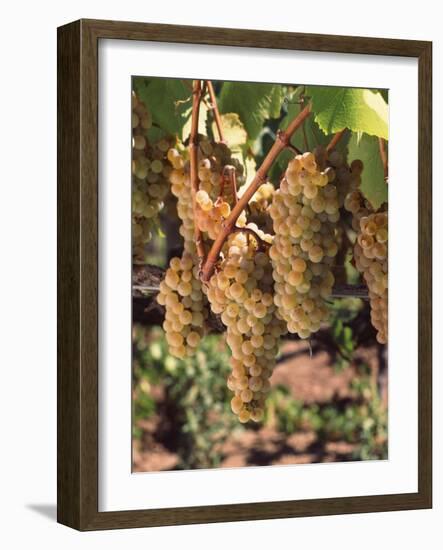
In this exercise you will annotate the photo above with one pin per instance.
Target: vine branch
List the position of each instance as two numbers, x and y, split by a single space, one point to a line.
383 156
214 108
337 137
193 161
303 126
282 140
146 279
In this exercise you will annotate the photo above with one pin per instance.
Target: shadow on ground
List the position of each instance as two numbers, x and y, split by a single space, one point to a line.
48 511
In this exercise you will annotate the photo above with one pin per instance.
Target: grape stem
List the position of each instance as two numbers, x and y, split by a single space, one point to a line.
214 108
282 140
337 137
384 157
230 175
303 126
193 161
262 245
294 149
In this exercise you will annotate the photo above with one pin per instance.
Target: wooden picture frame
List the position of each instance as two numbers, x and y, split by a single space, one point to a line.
78 274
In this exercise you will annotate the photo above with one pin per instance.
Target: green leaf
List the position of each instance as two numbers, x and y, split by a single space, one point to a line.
139 83
250 167
385 94
254 103
236 138
168 101
233 130
373 184
202 117
314 136
358 109
154 134
279 166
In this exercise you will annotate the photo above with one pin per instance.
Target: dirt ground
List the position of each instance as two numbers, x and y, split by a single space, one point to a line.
309 379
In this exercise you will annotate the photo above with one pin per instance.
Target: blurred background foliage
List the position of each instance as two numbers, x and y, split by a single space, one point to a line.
182 418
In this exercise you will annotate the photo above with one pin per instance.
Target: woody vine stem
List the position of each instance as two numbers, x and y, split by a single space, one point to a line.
283 139
193 159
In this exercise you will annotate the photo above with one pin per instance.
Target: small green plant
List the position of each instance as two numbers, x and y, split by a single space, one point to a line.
362 421
195 393
343 312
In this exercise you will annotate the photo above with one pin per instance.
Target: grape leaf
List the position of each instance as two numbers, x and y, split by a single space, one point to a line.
279 166
358 109
236 138
154 134
250 169
139 83
254 103
234 132
385 94
373 185
314 136
168 101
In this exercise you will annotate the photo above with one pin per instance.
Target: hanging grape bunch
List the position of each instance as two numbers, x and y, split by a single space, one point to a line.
186 310
253 331
150 172
305 212
371 254
371 259
216 195
242 292
181 290
181 293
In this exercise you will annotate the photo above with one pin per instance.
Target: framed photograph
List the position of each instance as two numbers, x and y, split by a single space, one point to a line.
228 201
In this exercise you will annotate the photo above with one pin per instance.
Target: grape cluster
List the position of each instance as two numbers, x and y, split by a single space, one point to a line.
371 259
354 201
346 178
209 215
241 291
215 197
181 289
305 212
181 189
356 204
181 294
371 252
150 173
258 206
214 158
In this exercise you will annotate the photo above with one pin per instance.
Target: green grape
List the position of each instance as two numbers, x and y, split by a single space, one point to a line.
241 290
149 185
304 211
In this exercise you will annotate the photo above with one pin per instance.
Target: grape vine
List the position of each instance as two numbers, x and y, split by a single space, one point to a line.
260 257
